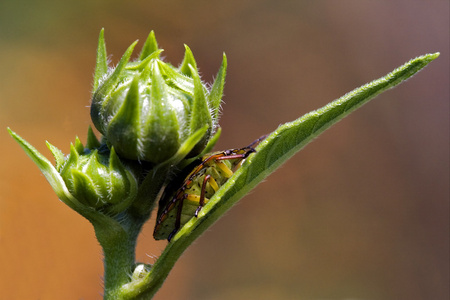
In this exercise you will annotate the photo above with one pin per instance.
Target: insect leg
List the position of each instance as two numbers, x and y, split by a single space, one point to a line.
246 151
178 218
257 141
202 195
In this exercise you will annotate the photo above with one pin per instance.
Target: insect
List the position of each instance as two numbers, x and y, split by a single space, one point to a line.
205 179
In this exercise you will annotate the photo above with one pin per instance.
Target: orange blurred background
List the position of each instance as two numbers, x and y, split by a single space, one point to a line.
361 213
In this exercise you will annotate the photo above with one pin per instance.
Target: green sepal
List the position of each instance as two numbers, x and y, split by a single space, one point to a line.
161 138
216 93
150 46
84 189
116 76
139 65
101 66
159 175
181 81
96 169
200 113
98 101
50 173
211 143
146 74
116 170
92 141
125 128
187 147
188 60
57 154
79 146
71 161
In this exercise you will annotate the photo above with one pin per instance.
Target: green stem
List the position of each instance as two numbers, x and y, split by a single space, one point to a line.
146 288
119 258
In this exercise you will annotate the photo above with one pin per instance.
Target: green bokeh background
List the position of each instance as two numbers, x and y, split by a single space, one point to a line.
361 213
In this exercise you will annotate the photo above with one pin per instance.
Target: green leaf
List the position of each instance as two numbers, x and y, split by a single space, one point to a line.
271 153
289 138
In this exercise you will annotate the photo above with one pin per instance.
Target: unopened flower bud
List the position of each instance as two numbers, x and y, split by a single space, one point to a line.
96 177
146 109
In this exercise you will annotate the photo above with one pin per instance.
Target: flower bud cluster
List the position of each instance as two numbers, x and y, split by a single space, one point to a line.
149 112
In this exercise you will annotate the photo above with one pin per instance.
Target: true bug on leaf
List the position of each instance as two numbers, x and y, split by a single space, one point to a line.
206 177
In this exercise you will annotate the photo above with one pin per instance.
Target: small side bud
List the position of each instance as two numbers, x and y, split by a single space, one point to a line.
140 271
99 180
87 177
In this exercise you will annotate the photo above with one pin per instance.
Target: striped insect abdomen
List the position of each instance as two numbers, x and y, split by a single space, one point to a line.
189 195
206 177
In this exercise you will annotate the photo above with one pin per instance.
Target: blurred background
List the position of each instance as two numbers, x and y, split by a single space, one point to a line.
361 213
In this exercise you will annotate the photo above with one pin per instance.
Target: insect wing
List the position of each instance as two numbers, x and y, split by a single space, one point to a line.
172 216
198 187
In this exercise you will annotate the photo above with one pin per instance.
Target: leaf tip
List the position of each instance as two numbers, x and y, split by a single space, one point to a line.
427 58
434 55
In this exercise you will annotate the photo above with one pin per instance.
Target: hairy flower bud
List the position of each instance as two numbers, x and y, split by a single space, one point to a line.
95 176
90 178
147 109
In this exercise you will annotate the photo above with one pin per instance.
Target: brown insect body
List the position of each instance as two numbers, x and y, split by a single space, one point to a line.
198 187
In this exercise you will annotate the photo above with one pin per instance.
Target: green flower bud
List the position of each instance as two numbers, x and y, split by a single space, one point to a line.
95 176
90 178
147 109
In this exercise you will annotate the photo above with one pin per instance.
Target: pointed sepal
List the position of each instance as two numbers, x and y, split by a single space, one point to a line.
123 183
216 94
150 46
49 171
57 154
188 60
162 131
124 131
200 113
98 103
79 147
92 141
101 66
